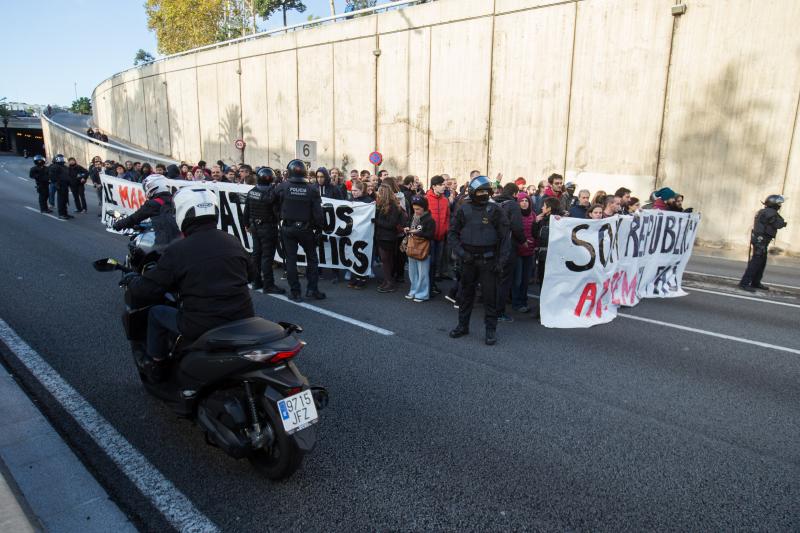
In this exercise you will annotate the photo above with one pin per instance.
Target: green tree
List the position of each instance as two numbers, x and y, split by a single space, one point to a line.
184 24
267 8
142 57
82 106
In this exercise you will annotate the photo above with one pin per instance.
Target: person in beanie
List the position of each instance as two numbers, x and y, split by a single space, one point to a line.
421 225
524 262
665 199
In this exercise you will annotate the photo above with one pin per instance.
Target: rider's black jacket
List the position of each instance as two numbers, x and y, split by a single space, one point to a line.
209 269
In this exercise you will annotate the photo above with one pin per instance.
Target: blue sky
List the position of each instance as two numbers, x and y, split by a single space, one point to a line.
49 45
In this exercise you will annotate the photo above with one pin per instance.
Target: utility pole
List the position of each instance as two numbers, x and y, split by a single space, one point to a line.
76 90
333 8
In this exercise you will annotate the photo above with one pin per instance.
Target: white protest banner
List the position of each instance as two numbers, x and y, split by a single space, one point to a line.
595 266
347 235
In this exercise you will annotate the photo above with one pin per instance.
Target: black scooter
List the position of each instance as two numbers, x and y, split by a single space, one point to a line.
238 382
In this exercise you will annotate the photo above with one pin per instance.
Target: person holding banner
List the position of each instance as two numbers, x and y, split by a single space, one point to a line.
301 212
480 234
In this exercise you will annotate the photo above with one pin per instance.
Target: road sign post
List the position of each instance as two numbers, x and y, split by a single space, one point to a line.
306 151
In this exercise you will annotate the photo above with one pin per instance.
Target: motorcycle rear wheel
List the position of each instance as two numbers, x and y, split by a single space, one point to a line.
282 458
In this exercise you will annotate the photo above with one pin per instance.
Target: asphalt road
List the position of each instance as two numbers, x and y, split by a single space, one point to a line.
628 426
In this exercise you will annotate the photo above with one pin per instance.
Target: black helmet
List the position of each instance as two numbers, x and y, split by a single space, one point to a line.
482 184
38 159
265 175
59 159
775 201
296 168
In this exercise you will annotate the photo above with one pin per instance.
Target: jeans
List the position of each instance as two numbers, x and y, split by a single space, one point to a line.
419 272
437 248
162 328
522 277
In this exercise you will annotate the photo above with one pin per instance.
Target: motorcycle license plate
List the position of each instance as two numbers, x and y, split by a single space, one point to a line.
298 412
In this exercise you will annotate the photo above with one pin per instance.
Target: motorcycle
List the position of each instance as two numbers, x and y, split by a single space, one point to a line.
238 382
143 253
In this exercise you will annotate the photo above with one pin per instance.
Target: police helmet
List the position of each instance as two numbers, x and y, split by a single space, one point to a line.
775 201
38 159
59 159
296 168
265 175
194 204
480 189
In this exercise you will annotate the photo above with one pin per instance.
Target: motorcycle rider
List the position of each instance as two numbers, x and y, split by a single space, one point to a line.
261 221
765 227
41 175
209 269
59 175
159 208
77 179
480 235
301 212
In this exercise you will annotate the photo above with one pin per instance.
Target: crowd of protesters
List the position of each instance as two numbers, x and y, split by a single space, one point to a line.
405 207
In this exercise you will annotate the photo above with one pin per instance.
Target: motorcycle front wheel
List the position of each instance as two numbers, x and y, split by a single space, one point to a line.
281 459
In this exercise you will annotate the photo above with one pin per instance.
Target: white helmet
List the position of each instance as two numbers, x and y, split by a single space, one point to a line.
155 184
192 203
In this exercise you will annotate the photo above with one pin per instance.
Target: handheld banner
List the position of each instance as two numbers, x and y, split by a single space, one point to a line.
595 266
346 240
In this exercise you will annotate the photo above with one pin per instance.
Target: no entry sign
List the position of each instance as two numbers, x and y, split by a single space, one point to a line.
376 158
239 144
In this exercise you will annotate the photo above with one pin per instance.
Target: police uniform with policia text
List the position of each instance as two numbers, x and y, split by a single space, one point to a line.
41 175
765 227
261 216
302 219
479 232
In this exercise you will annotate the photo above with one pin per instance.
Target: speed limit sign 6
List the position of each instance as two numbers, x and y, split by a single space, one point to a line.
306 150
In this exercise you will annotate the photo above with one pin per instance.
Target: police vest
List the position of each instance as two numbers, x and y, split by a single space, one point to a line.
260 206
479 225
296 204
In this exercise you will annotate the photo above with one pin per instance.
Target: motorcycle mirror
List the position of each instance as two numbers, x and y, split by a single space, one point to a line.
106 265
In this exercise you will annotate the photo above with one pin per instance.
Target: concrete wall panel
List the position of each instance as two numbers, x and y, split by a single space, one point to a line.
403 106
354 102
530 92
120 113
139 119
315 91
731 110
281 107
328 33
432 14
621 61
183 116
254 109
230 127
158 134
210 119
790 235
271 44
459 103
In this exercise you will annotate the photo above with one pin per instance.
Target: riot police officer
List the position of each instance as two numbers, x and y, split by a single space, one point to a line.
40 174
765 228
302 220
261 219
59 175
479 233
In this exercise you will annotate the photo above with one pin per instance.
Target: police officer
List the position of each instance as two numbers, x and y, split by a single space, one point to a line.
261 219
40 174
480 235
59 175
765 228
302 219
77 180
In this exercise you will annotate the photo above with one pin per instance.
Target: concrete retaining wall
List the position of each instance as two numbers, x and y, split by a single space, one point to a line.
607 92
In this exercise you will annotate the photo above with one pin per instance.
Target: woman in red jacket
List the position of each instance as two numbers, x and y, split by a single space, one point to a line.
524 264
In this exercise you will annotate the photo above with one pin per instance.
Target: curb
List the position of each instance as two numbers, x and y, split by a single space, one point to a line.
52 482
778 293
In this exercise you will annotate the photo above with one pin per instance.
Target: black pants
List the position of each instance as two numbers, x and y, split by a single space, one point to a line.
44 192
79 195
62 198
504 282
293 237
265 241
755 267
162 329
478 271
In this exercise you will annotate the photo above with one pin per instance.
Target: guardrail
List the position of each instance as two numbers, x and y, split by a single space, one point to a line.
285 29
148 156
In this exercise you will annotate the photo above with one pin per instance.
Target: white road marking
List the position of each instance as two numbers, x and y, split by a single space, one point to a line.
742 297
337 316
736 279
18 177
45 214
176 508
711 334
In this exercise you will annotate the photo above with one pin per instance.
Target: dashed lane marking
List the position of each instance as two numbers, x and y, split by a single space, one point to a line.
337 316
18 177
29 208
176 508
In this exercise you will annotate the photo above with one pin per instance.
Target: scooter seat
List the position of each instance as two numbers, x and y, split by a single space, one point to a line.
239 334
